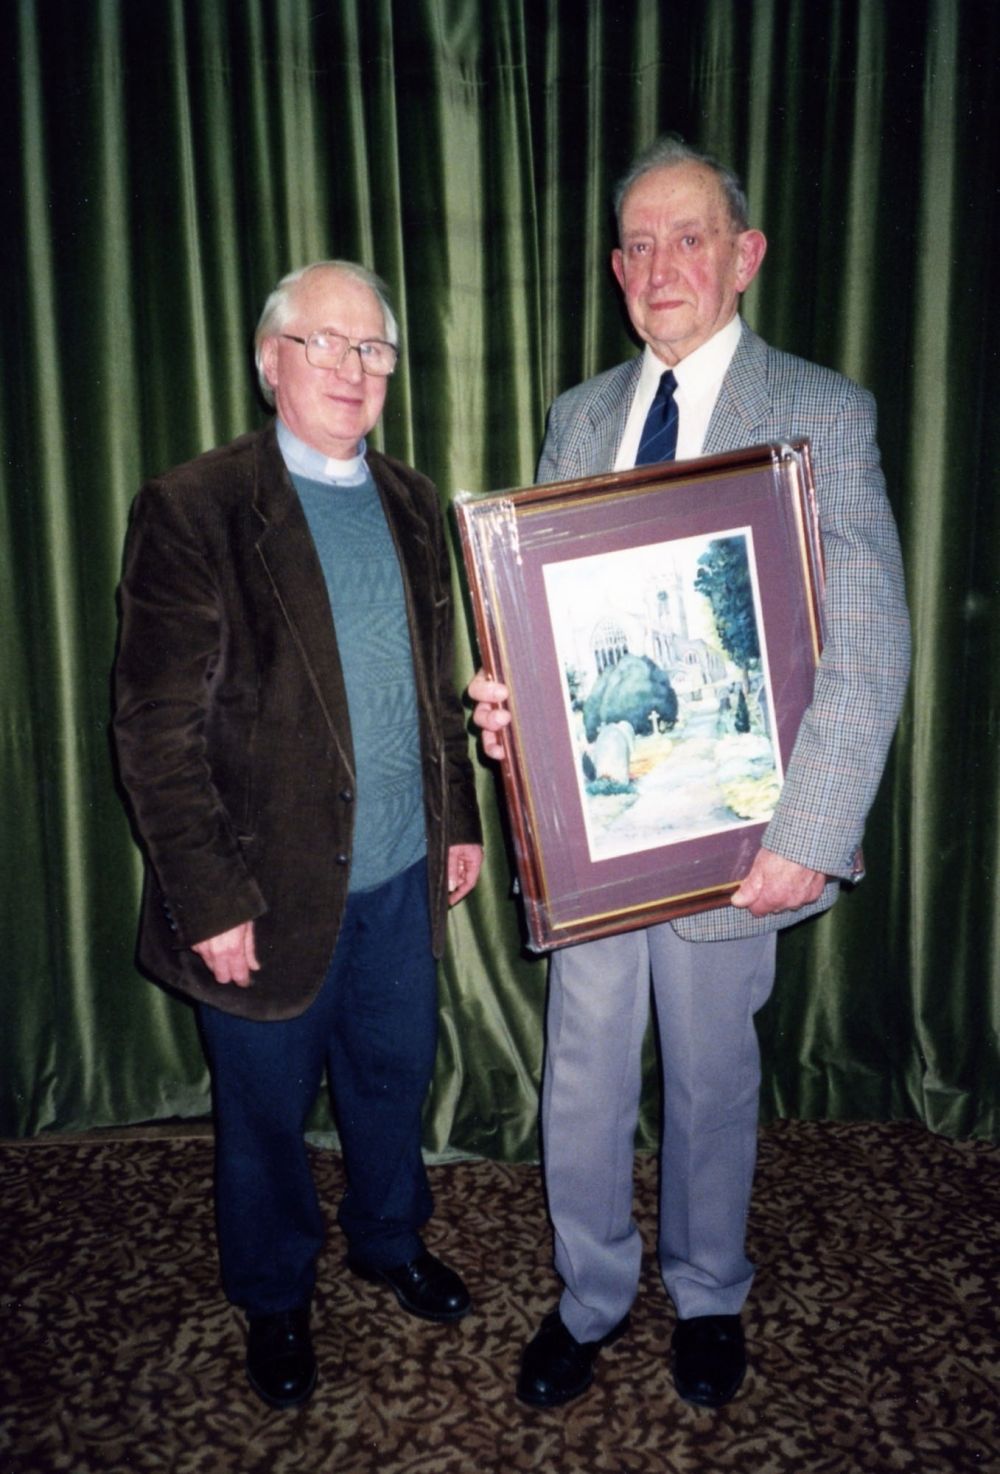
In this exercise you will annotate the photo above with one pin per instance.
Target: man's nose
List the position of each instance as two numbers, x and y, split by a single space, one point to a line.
663 265
349 367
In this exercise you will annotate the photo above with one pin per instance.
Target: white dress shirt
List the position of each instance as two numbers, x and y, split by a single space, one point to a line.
699 379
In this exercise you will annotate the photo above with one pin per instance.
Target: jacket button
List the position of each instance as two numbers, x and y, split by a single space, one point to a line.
341 859
347 795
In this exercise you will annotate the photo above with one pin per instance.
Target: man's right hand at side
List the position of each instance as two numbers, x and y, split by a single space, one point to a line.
231 956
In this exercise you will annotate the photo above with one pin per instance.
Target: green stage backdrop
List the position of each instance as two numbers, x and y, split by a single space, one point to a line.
164 162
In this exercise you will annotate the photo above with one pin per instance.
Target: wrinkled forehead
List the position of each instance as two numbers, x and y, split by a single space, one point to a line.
326 298
681 194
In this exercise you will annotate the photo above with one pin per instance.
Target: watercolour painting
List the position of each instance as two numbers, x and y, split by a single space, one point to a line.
665 690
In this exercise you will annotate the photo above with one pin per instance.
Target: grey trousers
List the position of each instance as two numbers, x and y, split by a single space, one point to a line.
705 996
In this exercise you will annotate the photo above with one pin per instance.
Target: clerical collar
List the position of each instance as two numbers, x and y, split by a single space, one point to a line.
305 460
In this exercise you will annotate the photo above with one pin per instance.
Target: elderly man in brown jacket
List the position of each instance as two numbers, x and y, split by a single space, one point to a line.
296 759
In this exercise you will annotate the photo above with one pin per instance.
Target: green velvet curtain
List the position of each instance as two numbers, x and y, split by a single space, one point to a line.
164 161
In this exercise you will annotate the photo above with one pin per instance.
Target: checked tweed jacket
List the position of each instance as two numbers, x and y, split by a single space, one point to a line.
844 737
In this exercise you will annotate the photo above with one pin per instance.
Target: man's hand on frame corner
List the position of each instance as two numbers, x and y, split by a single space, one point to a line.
490 712
776 884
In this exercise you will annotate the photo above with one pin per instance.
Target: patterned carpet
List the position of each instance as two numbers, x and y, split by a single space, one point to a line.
872 1325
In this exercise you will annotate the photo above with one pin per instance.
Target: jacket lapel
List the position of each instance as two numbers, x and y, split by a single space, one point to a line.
743 408
288 553
598 431
406 523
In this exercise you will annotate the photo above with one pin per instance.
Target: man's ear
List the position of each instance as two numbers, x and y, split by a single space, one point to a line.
618 266
752 248
269 360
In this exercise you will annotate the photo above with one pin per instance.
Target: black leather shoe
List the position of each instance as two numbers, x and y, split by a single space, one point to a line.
710 1359
556 1367
424 1287
281 1365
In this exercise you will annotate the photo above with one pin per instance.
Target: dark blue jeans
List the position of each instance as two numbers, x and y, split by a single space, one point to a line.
373 1027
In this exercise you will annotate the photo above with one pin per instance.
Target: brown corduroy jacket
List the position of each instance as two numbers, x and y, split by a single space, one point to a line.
231 720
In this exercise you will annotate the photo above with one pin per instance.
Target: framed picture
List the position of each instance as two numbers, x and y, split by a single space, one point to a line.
658 631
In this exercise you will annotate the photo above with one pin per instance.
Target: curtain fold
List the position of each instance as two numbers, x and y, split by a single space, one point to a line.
168 160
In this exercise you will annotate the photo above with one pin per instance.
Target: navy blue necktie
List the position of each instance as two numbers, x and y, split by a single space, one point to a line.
658 441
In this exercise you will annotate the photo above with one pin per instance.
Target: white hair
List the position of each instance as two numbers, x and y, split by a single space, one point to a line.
670 150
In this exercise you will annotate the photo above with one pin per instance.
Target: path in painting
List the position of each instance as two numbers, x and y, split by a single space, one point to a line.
682 792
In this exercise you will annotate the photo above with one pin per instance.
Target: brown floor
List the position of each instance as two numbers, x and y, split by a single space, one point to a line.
872 1324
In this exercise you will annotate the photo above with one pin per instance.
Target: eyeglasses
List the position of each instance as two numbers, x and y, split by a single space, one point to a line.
326 350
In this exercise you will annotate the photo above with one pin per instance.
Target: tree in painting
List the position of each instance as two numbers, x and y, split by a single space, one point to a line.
724 578
741 722
635 691
574 685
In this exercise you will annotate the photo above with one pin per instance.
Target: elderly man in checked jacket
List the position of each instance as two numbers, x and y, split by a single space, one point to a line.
703 384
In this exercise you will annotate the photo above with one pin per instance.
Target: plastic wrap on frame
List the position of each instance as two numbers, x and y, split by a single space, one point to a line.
493 560
522 550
